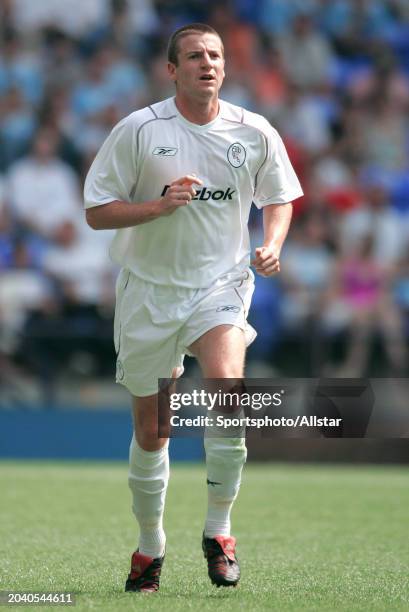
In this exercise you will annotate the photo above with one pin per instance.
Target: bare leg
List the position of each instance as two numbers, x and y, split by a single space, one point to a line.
357 351
391 326
145 419
148 475
221 354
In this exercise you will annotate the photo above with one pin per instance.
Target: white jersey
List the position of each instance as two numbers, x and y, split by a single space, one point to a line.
239 157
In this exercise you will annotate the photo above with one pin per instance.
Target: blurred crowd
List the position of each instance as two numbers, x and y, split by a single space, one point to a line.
331 75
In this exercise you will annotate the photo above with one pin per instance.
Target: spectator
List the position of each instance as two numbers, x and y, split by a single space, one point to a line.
23 288
386 135
21 69
6 231
401 290
17 125
275 17
56 116
125 79
79 264
78 329
304 119
62 61
74 17
43 191
269 82
158 86
353 24
307 54
92 95
306 270
142 17
376 217
361 302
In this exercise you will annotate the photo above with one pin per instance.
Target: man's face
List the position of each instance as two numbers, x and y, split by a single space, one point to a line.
200 69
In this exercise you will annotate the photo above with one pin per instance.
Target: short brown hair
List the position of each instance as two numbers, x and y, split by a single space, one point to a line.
191 28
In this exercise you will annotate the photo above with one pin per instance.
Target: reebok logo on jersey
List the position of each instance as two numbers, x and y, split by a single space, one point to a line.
205 193
165 151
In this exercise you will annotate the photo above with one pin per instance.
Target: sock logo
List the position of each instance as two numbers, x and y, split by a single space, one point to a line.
212 482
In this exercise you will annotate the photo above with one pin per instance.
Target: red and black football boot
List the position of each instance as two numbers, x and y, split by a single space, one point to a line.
222 563
145 573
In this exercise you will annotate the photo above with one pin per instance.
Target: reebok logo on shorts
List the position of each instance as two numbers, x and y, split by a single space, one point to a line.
205 193
119 370
165 151
228 309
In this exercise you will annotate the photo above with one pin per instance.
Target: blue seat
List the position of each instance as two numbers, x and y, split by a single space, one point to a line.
400 192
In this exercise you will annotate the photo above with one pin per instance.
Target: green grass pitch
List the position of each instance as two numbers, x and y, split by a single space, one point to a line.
309 537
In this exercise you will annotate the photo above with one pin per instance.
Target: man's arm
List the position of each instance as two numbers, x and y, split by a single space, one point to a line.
276 221
118 214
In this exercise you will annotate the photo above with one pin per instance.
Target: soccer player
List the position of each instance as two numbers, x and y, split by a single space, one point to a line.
177 179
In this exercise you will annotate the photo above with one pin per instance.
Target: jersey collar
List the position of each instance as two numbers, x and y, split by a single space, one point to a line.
194 126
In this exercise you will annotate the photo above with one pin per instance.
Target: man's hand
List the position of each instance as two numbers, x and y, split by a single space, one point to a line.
180 193
118 213
266 262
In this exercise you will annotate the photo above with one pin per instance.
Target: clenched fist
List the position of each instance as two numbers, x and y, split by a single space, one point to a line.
179 193
266 262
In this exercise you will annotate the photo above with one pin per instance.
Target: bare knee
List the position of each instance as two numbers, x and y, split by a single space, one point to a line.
224 370
221 352
150 426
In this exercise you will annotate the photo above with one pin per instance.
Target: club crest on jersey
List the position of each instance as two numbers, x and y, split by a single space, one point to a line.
165 151
236 155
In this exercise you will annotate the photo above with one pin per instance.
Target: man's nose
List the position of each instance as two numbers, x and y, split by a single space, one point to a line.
206 60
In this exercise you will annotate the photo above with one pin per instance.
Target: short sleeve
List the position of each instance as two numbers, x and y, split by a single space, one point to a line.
276 181
113 172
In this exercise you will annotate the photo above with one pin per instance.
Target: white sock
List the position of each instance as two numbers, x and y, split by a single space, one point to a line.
148 480
225 458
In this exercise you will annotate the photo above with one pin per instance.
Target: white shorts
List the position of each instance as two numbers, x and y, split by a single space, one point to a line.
155 324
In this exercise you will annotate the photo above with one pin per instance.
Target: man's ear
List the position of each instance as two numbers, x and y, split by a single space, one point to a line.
172 71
